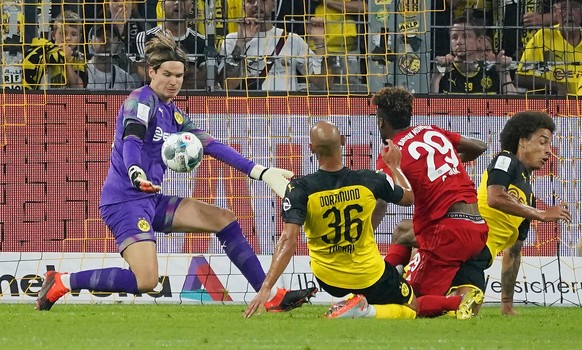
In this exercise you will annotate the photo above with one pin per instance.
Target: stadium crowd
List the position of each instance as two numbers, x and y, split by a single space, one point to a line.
296 45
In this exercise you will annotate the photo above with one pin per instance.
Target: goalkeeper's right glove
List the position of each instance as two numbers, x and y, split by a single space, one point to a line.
140 181
277 179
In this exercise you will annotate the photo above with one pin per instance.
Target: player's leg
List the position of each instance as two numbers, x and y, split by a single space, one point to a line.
390 297
509 269
444 246
132 228
428 274
190 215
469 282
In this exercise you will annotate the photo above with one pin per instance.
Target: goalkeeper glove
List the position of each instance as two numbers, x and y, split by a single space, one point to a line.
140 181
277 179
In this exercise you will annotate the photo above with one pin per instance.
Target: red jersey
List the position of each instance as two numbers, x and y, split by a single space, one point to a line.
435 171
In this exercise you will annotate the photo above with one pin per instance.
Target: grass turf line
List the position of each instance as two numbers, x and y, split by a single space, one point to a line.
106 327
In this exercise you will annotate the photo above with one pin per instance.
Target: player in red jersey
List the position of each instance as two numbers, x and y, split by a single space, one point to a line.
449 230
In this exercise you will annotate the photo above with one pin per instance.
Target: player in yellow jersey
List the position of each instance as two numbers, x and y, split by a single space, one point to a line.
552 58
505 195
336 205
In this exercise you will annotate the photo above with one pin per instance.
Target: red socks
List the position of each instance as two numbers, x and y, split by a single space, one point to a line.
436 305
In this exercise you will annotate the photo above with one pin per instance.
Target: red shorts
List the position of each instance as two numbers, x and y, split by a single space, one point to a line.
444 246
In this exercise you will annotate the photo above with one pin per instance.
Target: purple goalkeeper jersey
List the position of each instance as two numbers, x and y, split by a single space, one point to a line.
160 119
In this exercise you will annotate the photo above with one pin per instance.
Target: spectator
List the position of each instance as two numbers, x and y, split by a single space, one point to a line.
344 35
444 12
126 17
226 13
260 56
551 60
291 15
519 21
103 73
177 14
463 70
11 39
60 63
488 54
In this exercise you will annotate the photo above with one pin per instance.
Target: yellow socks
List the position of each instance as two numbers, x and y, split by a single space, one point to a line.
392 311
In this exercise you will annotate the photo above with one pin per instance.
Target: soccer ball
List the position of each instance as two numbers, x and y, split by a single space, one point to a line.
182 152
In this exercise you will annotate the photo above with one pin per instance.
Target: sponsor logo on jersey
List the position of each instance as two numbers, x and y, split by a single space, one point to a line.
143 225
160 135
286 204
514 192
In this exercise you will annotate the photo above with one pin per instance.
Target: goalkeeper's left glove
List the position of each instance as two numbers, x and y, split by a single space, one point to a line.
277 179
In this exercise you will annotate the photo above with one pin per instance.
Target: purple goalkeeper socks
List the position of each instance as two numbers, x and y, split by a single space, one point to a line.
111 279
239 251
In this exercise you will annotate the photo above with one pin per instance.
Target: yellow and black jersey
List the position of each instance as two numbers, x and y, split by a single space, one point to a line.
44 66
480 82
336 209
548 46
504 229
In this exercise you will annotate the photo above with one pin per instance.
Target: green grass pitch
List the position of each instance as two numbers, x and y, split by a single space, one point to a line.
108 327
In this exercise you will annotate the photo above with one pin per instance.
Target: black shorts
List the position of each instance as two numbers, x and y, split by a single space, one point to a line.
391 288
472 272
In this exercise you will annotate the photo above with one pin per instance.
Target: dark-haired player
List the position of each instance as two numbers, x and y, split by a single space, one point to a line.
505 195
449 230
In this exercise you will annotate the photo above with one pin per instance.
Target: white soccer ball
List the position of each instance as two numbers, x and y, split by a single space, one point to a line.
182 152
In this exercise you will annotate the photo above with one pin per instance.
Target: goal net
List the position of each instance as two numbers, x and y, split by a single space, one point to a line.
56 144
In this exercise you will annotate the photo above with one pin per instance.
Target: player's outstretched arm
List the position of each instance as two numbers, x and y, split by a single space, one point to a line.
277 179
284 250
499 199
557 212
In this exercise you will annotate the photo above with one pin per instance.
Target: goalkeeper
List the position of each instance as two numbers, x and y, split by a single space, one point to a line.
133 209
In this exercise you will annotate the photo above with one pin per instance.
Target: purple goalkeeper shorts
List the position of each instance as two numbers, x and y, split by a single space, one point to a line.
136 220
